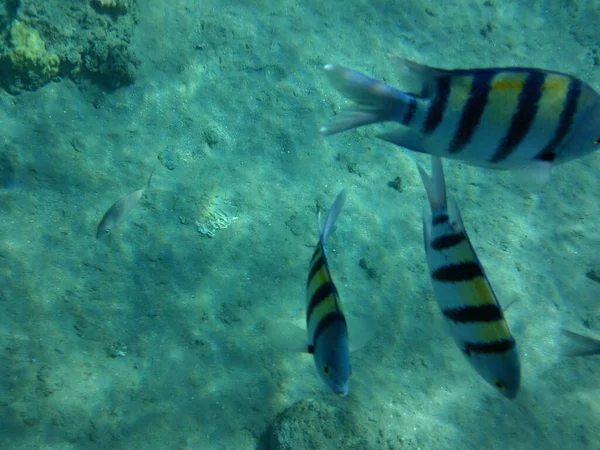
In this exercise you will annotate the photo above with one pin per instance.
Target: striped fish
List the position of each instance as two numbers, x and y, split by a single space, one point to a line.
504 118
463 291
327 331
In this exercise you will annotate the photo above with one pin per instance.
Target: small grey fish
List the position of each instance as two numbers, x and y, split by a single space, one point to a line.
117 212
581 345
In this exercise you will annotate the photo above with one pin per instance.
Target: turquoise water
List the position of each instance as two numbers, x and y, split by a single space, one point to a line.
154 336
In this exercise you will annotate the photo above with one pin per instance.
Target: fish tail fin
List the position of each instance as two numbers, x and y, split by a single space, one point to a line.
435 185
583 345
374 101
334 212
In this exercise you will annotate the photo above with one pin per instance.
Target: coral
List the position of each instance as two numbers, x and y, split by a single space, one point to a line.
86 41
28 60
214 220
111 6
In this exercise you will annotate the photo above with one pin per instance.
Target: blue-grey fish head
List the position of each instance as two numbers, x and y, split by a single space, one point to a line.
585 136
101 231
501 371
332 358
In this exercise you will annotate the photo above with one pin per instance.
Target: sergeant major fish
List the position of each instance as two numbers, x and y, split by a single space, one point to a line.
117 212
327 330
503 118
463 291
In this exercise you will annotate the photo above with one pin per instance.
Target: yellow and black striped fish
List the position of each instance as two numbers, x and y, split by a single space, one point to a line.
503 118
327 330
463 291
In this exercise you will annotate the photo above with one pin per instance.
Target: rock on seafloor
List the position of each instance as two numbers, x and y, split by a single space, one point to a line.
313 424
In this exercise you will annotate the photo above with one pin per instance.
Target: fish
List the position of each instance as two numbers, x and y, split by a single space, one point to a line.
583 345
327 329
463 292
503 118
118 211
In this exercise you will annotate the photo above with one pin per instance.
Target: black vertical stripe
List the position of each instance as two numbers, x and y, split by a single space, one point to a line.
440 219
448 241
315 267
565 122
454 273
523 117
323 292
435 114
411 110
481 86
318 250
489 347
469 314
328 320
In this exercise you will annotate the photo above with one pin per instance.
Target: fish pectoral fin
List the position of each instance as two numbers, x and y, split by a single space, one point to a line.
405 137
504 309
287 336
534 176
360 332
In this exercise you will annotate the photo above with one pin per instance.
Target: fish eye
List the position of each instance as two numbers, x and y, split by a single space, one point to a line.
326 369
499 385
597 141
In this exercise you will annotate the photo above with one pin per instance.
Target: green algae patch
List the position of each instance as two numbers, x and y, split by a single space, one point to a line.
27 61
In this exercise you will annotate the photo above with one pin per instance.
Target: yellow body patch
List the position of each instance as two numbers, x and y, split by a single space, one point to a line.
462 252
509 81
318 280
325 307
476 292
491 331
553 99
503 98
460 90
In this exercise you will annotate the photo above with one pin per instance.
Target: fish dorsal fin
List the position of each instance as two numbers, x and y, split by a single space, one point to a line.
334 212
416 78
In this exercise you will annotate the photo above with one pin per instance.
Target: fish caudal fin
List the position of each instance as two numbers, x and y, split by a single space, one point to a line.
334 212
435 185
374 101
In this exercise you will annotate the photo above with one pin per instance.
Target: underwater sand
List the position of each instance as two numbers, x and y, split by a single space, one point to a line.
153 338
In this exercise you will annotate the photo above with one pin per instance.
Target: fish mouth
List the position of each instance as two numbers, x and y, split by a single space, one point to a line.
342 392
